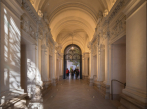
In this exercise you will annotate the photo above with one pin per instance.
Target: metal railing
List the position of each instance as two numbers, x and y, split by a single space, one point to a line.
112 86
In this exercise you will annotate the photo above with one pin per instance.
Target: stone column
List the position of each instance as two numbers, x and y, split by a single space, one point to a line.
90 69
42 64
98 63
106 61
50 66
39 56
47 62
83 72
86 64
61 69
54 80
104 69
135 94
101 64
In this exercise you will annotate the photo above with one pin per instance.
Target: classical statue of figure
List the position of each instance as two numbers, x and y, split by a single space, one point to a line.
105 13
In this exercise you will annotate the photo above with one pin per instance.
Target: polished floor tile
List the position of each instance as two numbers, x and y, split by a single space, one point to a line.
74 94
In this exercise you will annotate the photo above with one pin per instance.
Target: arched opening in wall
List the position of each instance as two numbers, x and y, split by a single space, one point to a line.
118 75
73 59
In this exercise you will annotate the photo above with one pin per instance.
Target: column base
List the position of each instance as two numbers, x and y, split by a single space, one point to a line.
128 102
54 82
46 87
61 77
103 89
85 77
90 82
46 84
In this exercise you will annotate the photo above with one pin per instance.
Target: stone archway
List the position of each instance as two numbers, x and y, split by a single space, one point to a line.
72 52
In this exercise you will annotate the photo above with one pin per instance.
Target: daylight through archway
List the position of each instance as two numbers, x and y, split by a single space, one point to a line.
73 59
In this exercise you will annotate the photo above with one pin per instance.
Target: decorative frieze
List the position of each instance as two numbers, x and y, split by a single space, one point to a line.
26 26
105 13
100 17
32 2
45 17
119 27
29 9
116 10
40 14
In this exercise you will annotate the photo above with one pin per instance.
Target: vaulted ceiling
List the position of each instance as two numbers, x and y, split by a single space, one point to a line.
72 18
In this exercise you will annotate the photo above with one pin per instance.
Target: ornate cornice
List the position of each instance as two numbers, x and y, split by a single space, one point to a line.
29 8
118 28
116 8
26 26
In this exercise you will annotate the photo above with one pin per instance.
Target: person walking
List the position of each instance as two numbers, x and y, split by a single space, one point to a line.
77 73
72 73
67 72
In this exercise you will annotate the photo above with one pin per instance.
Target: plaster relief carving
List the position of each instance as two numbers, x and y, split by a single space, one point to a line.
39 35
118 28
40 14
46 18
105 13
117 9
100 17
26 26
32 2
29 9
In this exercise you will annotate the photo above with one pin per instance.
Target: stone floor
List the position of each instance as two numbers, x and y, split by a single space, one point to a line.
74 94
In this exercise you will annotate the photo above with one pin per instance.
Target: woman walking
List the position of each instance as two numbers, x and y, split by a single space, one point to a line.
67 72
77 73
72 73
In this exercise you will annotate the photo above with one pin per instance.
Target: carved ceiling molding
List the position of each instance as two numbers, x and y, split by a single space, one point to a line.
94 49
118 28
26 26
119 5
29 8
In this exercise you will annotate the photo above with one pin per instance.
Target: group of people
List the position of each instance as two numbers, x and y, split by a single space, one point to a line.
72 72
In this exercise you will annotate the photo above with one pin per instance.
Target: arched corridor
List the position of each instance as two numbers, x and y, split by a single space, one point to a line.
67 54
